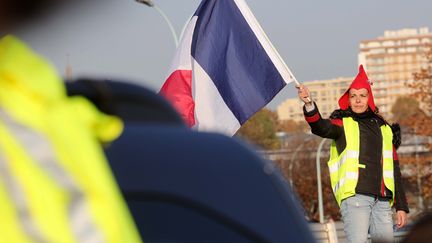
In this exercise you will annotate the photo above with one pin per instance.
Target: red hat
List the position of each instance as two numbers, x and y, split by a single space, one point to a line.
360 82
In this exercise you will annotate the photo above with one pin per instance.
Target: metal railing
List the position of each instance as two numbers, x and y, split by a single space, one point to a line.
332 232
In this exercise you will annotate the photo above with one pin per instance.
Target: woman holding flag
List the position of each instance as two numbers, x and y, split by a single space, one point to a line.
364 167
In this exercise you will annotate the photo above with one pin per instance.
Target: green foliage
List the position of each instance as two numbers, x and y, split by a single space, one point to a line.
260 130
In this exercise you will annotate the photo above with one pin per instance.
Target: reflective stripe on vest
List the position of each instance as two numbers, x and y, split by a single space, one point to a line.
15 192
344 167
388 162
55 182
349 154
39 149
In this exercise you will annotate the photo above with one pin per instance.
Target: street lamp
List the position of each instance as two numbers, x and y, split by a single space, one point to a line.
293 156
146 2
292 163
150 3
318 166
419 187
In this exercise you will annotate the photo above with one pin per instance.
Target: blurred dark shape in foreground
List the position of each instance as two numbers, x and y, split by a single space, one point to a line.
186 186
421 231
17 12
132 103
180 185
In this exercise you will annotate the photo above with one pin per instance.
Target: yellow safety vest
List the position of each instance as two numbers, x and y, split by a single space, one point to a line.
344 167
55 183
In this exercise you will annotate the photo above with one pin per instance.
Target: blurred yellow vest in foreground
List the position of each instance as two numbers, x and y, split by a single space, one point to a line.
55 183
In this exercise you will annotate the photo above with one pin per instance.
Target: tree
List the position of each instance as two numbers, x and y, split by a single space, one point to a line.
290 126
298 166
420 123
260 129
305 183
422 84
405 106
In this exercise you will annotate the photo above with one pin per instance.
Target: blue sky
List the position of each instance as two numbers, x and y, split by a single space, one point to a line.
128 41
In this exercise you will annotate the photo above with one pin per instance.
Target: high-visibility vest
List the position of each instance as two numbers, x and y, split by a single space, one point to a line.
344 167
55 183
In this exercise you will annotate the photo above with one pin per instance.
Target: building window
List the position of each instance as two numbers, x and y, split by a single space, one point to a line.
411 49
388 43
373 44
426 40
377 51
412 41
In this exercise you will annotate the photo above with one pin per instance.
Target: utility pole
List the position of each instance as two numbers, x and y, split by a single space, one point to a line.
320 197
164 16
419 187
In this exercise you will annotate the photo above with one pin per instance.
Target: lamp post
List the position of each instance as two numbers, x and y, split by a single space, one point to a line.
150 3
318 166
419 187
292 163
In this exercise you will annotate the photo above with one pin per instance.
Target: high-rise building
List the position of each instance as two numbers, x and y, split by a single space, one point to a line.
325 93
391 60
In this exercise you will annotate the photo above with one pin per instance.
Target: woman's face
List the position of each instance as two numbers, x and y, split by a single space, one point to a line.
358 100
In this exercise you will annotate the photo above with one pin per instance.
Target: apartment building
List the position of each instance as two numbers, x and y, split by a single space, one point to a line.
325 93
391 60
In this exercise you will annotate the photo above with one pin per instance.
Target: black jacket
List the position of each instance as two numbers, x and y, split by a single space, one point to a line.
370 180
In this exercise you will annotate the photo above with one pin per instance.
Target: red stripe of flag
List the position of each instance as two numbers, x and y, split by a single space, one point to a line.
178 90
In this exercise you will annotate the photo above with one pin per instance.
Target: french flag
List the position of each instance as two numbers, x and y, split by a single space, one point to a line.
225 68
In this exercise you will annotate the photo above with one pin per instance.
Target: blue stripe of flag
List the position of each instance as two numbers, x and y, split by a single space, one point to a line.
227 49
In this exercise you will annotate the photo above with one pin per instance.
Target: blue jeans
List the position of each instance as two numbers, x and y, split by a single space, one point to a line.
361 213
